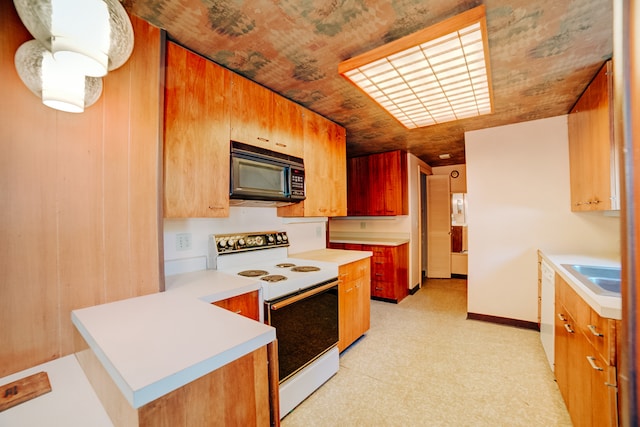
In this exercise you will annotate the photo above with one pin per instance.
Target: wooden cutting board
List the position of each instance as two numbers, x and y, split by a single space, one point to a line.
24 389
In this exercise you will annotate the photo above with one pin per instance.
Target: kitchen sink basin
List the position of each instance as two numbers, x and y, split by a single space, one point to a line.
601 280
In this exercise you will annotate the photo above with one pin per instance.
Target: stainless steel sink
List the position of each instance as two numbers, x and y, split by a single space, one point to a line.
601 280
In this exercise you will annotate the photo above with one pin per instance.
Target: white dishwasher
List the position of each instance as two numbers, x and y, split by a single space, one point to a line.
547 310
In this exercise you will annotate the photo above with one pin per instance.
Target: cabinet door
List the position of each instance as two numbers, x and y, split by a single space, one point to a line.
251 113
358 186
563 337
347 305
592 152
363 296
247 305
196 148
604 395
377 177
396 201
287 132
325 170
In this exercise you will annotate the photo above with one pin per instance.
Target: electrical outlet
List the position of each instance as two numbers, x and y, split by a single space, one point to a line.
183 241
363 225
318 231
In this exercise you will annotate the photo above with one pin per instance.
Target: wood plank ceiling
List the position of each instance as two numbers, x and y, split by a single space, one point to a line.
543 53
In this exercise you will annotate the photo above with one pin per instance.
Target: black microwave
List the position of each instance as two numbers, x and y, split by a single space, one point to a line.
264 176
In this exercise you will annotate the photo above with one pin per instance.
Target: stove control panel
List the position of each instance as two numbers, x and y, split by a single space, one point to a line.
239 242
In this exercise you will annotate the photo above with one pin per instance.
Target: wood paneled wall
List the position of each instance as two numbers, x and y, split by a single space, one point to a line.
80 222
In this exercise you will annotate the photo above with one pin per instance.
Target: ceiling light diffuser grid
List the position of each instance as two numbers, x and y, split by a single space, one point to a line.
443 79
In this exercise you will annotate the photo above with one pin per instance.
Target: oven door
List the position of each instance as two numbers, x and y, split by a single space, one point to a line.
306 326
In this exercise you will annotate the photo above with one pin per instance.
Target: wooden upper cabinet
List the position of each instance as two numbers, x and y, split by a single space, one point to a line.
264 119
287 132
325 170
593 158
196 146
377 185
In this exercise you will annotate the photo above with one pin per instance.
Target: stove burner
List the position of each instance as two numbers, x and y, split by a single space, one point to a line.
273 278
305 268
285 265
252 273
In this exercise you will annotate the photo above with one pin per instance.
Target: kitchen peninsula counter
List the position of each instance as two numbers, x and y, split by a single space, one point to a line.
152 345
606 306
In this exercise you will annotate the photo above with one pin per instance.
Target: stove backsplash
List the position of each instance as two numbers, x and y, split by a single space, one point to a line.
186 240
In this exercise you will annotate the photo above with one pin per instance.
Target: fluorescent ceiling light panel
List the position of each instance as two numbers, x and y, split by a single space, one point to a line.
436 75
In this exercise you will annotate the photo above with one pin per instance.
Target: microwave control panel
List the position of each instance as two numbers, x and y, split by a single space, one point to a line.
297 183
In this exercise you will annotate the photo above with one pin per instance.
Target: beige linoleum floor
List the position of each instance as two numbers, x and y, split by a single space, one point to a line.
423 364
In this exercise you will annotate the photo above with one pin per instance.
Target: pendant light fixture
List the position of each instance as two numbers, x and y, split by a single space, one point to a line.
59 87
81 40
436 75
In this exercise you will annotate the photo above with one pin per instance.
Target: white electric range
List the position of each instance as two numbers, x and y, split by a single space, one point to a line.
301 303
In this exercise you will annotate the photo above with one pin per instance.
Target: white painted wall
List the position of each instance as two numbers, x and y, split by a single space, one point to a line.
305 234
518 202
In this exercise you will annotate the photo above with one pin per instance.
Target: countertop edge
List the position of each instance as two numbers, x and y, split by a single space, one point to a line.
606 306
167 385
377 239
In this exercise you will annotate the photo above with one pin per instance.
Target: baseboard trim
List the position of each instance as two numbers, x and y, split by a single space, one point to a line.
394 301
458 276
415 289
524 324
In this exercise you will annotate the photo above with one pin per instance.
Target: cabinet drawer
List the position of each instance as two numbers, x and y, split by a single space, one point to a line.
601 333
382 289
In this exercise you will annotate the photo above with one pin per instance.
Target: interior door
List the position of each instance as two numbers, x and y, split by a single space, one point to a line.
438 227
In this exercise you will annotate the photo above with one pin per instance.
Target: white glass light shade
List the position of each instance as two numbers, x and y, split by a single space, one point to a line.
62 88
57 87
43 18
81 43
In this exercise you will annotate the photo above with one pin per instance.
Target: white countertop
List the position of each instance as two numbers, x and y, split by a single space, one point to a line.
153 344
72 402
380 239
338 256
606 306
210 285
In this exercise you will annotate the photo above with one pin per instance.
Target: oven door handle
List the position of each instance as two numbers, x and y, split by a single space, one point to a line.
303 295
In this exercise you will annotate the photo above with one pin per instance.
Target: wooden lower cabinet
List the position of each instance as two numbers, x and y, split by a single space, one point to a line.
354 301
585 360
236 394
389 269
240 393
247 305
389 272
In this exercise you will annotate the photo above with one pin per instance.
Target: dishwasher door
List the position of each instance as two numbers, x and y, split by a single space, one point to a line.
547 311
